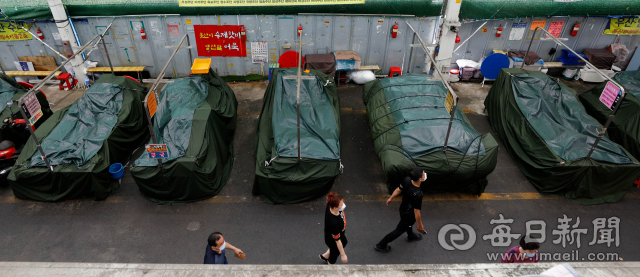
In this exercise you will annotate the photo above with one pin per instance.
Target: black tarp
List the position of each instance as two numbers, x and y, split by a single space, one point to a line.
280 177
196 118
409 122
549 134
625 126
84 174
600 58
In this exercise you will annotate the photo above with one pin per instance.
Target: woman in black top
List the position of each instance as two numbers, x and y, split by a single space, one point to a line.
335 223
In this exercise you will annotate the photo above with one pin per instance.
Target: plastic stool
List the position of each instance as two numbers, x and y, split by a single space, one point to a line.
66 81
395 71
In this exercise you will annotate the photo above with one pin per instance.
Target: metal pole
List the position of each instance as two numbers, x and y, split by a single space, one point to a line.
107 52
45 44
188 45
153 134
153 90
445 82
38 86
528 48
474 33
299 80
2 68
622 91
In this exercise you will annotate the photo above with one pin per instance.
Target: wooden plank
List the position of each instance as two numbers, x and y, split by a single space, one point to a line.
31 73
117 69
45 67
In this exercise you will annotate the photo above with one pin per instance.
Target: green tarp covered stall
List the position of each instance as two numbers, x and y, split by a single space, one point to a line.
281 177
624 129
196 119
10 90
549 135
409 123
81 141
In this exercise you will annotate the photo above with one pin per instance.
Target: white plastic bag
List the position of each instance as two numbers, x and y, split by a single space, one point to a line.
360 77
462 63
620 50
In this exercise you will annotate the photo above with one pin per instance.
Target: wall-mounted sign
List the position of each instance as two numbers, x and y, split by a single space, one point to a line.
174 30
236 3
517 31
12 31
555 28
259 52
626 26
220 41
536 24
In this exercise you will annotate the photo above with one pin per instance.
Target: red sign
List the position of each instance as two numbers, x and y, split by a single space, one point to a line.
220 41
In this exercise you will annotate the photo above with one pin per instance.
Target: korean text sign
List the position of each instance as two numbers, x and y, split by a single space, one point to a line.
623 26
12 31
220 41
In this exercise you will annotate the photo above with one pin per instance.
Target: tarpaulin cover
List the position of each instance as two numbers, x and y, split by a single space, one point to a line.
280 176
196 118
325 63
92 179
625 126
600 58
409 124
548 134
83 129
11 90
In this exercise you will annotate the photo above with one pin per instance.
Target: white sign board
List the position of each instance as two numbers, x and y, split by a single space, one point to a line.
259 52
517 31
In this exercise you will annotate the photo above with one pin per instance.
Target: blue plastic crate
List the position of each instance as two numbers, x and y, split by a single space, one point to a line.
345 64
568 58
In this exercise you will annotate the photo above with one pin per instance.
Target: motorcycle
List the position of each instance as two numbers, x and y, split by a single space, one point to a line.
15 134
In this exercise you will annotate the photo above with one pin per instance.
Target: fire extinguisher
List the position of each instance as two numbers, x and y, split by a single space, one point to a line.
499 32
575 30
143 35
394 30
300 30
243 39
457 39
40 35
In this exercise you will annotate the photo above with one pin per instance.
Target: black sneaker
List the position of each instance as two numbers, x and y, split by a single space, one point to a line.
323 259
416 237
383 250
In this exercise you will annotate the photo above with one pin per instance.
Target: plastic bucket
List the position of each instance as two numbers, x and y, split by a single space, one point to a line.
116 170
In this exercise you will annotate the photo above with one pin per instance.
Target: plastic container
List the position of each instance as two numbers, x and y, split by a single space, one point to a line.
568 73
454 72
201 66
117 171
568 58
467 73
590 75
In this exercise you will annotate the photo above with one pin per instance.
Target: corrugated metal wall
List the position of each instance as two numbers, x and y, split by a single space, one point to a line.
367 35
589 36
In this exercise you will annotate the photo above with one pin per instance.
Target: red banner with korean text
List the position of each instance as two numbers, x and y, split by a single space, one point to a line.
220 41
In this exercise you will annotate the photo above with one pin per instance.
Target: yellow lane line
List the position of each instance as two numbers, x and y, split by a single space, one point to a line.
349 198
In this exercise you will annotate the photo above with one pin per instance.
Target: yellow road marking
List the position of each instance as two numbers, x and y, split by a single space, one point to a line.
349 198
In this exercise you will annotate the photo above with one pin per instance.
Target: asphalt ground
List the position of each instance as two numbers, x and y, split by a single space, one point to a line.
126 228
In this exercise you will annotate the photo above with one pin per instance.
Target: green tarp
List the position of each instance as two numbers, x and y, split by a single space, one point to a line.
196 118
90 176
280 176
625 126
548 134
409 123
8 86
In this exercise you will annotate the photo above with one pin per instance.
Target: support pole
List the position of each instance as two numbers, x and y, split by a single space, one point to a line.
299 81
474 33
66 33
449 30
153 90
454 105
107 53
622 91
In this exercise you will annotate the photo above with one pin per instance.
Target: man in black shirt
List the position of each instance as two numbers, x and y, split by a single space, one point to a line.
409 209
